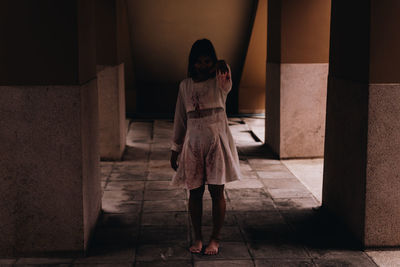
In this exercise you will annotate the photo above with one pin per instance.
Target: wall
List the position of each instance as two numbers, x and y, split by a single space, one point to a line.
252 83
162 34
124 53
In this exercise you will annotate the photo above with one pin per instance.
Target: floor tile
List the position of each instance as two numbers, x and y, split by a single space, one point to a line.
160 185
260 218
163 252
275 250
296 203
119 220
252 204
164 205
160 175
245 193
163 234
275 174
165 218
284 263
169 263
121 207
289 193
249 174
102 264
260 164
116 236
244 183
218 263
385 258
279 233
43 261
228 233
6 262
280 183
122 195
129 176
108 254
227 251
125 185
164 194
339 262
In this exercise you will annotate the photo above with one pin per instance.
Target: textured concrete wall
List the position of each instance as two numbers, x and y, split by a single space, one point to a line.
382 216
91 185
345 147
48 163
110 81
273 106
303 109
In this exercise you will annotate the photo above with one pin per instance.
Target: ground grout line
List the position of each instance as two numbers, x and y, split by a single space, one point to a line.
245 241
107 181
372 260
142 201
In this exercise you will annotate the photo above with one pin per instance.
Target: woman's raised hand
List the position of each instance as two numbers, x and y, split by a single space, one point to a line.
221 67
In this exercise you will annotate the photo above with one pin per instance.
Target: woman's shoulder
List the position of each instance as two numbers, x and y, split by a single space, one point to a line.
185 82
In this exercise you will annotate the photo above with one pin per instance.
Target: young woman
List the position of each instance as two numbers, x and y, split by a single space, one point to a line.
202 139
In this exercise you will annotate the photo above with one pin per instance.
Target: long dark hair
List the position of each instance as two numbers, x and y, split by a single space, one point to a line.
202 47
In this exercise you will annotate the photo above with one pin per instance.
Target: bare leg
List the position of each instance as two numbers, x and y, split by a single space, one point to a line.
218 213
196 211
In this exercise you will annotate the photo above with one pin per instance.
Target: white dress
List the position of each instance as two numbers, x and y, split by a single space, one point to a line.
201 134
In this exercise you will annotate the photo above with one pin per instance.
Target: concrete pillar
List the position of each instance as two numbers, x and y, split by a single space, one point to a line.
361 170
50 194
110 82
296 80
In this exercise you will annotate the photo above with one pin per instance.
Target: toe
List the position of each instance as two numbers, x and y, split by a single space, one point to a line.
193 250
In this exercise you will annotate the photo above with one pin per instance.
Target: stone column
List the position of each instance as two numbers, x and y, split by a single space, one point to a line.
50 194
296 80
110 82
362 147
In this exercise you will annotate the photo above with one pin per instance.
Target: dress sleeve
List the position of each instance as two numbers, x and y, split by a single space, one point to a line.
179 130
224 81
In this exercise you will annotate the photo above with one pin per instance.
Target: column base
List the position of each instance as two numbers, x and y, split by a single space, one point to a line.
296 105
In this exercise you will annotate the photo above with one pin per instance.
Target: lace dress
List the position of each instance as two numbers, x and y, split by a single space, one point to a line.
201 134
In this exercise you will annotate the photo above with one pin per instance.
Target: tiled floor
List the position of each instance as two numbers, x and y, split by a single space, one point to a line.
272 218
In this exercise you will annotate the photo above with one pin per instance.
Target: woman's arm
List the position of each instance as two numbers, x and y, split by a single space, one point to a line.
179 130
223 76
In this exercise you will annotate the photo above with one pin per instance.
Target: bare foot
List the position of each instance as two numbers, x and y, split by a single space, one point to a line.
212 248
196 247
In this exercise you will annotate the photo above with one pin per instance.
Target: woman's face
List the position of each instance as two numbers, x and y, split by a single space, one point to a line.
203 65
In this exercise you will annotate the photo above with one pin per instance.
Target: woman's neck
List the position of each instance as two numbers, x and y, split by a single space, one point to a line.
200 78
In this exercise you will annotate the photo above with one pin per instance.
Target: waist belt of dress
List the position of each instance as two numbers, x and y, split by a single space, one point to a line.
201 113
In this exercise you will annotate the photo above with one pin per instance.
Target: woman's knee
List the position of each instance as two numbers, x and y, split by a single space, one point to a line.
197 193
216 191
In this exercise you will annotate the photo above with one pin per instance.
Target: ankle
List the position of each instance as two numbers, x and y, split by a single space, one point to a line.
215 239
